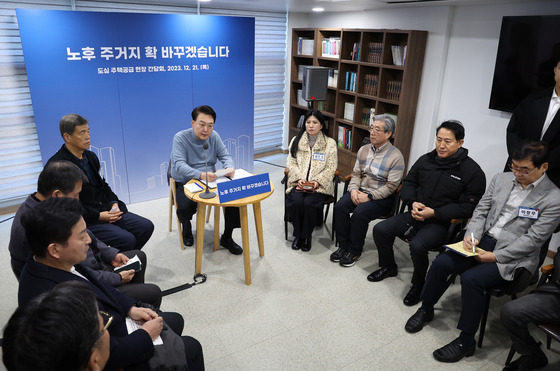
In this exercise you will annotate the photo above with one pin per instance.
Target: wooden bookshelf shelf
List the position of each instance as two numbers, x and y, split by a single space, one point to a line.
387 70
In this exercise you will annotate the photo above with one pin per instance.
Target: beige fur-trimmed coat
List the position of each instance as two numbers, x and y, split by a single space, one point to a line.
324 161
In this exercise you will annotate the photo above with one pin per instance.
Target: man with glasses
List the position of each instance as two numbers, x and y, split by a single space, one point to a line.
442 185
77 332
514 218
376 176
188 161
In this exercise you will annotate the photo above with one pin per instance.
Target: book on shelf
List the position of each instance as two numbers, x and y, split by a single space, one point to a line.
349 111
374 52
367 116
370 84
394 89
305 46
344 137
327 105
355 54
333 78
300 100
398 53
350 84
330 47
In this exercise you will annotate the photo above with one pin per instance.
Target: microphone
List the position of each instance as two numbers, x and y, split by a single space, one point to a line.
206 194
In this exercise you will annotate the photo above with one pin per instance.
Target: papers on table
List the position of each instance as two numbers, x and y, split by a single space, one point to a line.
194 187
133 325
458 248
239 173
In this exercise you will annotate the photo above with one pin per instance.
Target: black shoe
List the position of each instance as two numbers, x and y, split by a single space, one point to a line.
349 259
188 238
335 256
413 295
306 246
296 244
230 244
529 362
418 320
454 351
382 273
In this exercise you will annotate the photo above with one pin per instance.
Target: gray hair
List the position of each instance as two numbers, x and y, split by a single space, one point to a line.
388 122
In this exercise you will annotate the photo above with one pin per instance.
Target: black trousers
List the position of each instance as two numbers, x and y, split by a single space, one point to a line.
186 208
136 289
537 307
475 277
351 229
429 235
304 209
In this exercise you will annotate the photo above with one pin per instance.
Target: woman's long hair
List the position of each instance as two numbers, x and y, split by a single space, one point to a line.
319 116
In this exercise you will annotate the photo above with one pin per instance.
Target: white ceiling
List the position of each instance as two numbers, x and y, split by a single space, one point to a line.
305 6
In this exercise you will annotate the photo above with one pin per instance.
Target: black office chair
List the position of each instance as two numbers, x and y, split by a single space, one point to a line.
521 280
328 201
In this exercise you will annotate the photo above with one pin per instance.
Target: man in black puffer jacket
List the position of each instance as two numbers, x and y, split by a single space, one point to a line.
443 184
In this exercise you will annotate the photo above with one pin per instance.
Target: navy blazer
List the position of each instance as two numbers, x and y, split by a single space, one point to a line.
94 199
527 123
130 351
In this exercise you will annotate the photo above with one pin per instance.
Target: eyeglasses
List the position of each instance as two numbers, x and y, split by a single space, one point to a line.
107 320
377 130
522 171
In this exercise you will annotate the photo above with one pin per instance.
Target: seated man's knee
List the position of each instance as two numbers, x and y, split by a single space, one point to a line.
418 248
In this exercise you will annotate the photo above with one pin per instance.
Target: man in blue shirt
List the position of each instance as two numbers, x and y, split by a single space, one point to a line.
188 161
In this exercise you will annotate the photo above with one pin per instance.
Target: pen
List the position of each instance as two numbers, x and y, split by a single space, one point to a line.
472 241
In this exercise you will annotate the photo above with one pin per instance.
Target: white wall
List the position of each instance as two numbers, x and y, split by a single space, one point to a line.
458 68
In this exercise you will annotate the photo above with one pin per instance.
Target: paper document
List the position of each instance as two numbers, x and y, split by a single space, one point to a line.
194 187
132 325
239 173
458 248
133 263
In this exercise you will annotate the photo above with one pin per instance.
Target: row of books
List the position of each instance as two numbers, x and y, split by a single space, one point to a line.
344 136
349 111
332 80
328 105
300 100
331 47
355 54
370 84
305 46
350 83
394 89
374 52
367 116
399 54
300 72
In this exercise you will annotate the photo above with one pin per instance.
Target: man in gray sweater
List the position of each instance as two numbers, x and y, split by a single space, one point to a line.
188 161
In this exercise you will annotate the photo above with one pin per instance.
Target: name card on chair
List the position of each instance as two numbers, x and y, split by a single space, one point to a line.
244 187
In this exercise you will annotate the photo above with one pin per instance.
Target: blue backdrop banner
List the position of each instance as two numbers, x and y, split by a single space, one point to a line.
136 78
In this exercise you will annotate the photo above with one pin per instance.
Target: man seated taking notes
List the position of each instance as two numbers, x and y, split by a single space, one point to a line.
514 218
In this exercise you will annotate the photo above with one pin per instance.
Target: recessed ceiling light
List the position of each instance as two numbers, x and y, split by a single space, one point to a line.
318 9
204 1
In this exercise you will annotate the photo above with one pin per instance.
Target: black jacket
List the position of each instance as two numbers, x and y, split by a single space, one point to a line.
94 199
451 186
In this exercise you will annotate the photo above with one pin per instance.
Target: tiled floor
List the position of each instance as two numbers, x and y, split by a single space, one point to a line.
302 312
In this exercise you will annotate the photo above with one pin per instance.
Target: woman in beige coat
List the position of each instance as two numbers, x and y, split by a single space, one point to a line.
312 163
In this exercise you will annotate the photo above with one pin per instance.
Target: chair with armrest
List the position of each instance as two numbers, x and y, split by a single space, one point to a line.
328 201
521 280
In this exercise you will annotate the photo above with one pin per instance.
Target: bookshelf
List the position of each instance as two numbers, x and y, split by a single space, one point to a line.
375 69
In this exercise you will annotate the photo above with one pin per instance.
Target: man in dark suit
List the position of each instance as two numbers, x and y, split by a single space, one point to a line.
541 306
106 216
59 242
537 118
